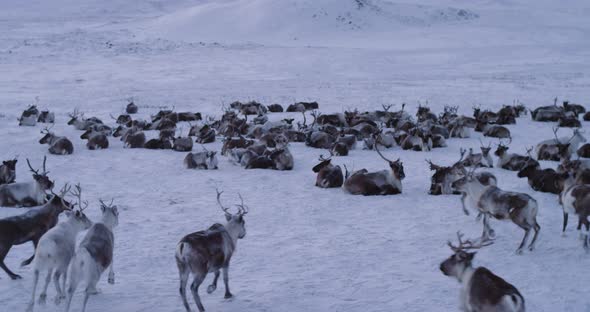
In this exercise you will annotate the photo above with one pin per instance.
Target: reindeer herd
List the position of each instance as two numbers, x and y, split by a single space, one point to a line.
262 143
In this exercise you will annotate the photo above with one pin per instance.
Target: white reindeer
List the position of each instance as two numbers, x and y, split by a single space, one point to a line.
56 249
94 255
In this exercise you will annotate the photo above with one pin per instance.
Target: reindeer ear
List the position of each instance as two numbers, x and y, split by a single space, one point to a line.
68 213
227 216
77 213
102 208
115 210
470 255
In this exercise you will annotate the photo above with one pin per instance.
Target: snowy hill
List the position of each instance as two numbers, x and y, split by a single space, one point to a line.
291 20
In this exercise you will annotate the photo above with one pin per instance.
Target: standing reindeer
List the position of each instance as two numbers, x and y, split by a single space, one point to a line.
482 290
58 145
94 255
27 194
491 201
575 199
30 226
55 250
209 251
8 171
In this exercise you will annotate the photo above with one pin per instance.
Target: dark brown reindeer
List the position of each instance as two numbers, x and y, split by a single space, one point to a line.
131 108
513 162
8 171
444 176
96 139
384 182
27 194
544 180
210 251
328 175
30 226
482 290
58 145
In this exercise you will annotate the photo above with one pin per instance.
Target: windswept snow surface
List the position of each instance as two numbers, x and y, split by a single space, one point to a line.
307 249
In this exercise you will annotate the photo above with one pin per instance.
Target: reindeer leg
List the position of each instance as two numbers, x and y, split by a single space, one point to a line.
565 217
3 252
228 294
184 274
43 295
213 285
59 292
199 277
463 198
587 225
35 281
536 228
524 239
28 261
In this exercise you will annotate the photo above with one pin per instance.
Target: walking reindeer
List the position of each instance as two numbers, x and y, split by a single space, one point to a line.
492 202
94 255
30 226
209 251
482 290
575 199
56 249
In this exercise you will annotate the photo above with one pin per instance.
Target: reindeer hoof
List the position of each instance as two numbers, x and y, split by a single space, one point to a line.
228 296
57 299
16 277
42 299
519 251
531 248
211 288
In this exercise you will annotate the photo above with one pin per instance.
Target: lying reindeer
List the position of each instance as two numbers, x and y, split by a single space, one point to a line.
328 174
483 159
513 162
30 226
131 108
482 290
560 147
29 116
96 139
209 251
58 145
94 255
201 160
27 194
443 178
491 201
382 182
8 171
56 249
543 180
81 123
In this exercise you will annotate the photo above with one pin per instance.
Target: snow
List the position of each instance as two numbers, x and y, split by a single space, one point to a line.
306 248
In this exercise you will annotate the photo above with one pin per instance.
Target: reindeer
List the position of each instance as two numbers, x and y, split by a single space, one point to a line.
182 144
30 226
202 160
548 113
29 116
133 138
584 151
8 171
94 255
206 135
495 131
491 201
482 290
443 178
46 117
231 143
544 180
96 139
382 182
131 108
27 194
513 162
569 122
188 116
79 122
328 174
574 108
158 144
275 108
339 149
58 145
282 159
575 199
208 251
55 250
560 147
483 159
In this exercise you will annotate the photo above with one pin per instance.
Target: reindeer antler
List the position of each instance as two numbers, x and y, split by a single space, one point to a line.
462 151
324 159
468 244
379 152
78 194
529 150
105 205
225 209
555 129
31 167
242 209
386 107
432 166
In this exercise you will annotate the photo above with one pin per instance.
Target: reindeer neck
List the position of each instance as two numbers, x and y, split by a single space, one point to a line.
475 188
465 276
233 231
109 222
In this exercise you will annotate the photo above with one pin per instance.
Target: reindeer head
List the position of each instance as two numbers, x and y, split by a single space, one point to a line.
47 136
397 167
485 150
323 163
41 178
456 264
78 216
110 212
10 164
59 200
74 116
235 222
500 150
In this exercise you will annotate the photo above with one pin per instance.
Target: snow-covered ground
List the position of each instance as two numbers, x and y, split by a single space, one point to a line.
307 248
